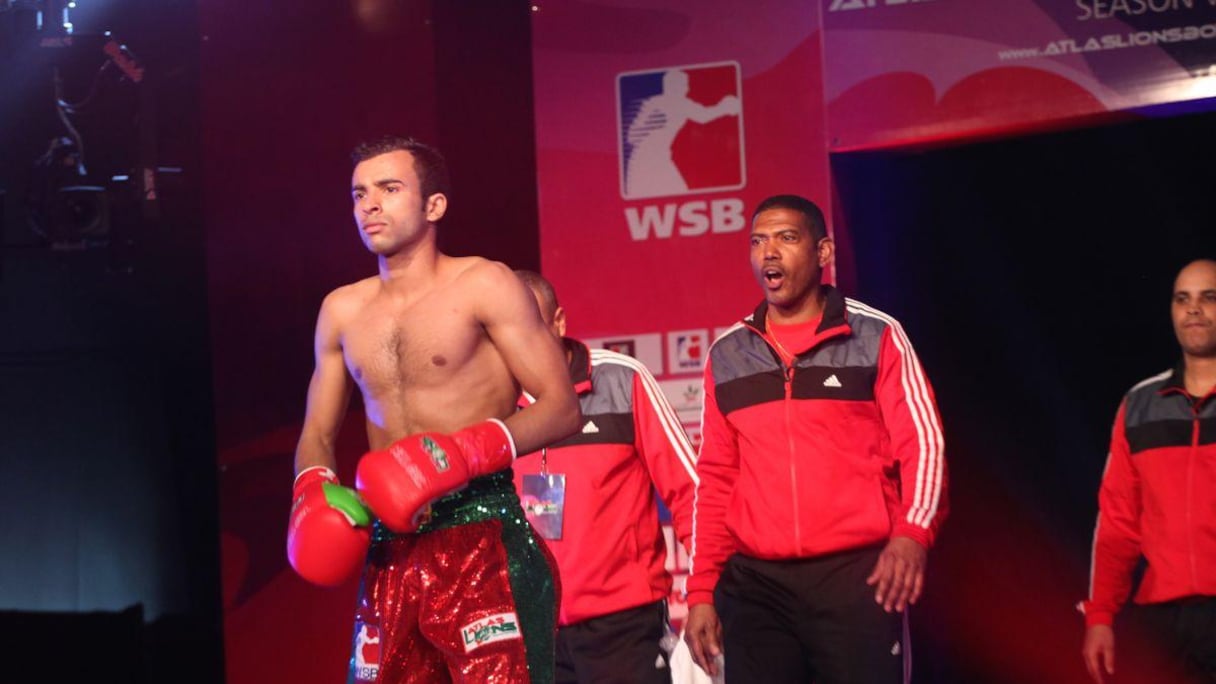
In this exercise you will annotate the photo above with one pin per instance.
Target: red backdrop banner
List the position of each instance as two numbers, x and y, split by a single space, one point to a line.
659 126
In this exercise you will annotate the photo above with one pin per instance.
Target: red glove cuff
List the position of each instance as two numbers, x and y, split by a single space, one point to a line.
487 447
312 476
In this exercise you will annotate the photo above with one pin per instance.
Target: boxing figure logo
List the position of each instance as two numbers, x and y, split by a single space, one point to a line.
680 130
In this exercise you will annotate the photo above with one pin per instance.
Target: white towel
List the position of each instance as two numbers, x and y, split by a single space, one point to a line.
685 671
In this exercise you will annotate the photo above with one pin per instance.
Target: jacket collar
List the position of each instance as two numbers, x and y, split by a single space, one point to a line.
834 322
1176 384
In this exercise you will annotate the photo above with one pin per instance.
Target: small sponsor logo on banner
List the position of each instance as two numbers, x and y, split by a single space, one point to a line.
686 350
685 397
680 130
488 630
645 347
625 347
366 665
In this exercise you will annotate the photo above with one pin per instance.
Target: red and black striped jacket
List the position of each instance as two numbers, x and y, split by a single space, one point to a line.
842 449
612 552
1157 499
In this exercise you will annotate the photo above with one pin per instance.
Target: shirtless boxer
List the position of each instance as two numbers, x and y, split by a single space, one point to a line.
455 586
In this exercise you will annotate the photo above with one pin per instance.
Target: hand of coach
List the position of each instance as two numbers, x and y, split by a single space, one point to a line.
899 574
703 634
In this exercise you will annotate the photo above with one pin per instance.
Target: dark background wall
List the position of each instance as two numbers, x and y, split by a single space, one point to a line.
109 534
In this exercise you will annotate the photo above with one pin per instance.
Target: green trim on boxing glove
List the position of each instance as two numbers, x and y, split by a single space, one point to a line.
347 502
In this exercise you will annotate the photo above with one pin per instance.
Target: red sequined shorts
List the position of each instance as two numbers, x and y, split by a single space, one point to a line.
460 601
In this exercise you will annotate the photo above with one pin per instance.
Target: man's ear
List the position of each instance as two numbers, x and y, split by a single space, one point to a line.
826 252
436 206
559 322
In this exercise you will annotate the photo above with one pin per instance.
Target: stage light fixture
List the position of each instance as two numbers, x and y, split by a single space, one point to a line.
79 217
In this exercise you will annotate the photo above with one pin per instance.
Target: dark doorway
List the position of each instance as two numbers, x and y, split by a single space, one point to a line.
1033 276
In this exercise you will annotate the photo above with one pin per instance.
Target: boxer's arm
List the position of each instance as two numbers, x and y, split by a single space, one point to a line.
329 392
327 535
508 312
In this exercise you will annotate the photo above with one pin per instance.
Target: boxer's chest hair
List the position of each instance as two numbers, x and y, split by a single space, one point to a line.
401 352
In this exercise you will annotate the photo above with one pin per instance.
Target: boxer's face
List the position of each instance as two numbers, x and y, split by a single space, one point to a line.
388 205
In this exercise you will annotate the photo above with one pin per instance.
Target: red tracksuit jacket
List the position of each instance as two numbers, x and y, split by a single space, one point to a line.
612 551
1158 499
842 450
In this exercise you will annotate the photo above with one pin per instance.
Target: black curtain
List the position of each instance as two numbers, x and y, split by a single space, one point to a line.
109 526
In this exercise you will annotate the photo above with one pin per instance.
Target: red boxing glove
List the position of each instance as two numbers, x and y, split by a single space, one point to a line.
327 537
398 483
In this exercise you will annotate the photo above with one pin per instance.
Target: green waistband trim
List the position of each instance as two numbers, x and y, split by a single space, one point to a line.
489 497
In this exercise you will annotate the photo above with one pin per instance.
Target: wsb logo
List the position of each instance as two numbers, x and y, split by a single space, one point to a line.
488 630
687 219
680 132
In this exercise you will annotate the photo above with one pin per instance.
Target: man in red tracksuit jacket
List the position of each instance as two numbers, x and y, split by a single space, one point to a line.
1158 499
608 543
822 479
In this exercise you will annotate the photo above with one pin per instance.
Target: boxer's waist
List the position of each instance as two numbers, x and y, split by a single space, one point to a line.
489 497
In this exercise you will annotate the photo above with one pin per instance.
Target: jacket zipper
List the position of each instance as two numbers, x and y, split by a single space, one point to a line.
789 435
788 372
1190 470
